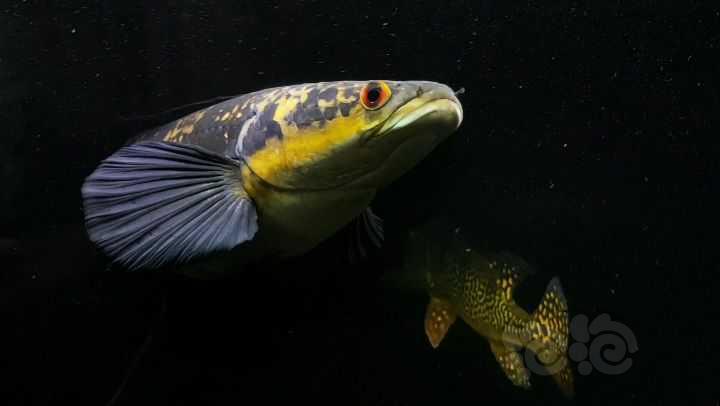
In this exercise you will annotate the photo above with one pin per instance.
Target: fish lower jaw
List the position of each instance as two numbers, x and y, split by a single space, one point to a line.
398 162
435 111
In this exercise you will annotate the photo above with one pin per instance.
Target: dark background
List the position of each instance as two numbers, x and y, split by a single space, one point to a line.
589 147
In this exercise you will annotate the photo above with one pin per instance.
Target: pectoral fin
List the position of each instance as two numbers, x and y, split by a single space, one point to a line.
511 363
438 319
156 203
367 232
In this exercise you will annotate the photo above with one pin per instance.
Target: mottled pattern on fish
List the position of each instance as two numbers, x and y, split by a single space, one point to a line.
478 288
481 292
258 117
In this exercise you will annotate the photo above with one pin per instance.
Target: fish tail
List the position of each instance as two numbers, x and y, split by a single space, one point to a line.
550 336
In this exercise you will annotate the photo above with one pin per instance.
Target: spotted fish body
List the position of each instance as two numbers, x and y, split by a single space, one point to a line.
267 174
478 288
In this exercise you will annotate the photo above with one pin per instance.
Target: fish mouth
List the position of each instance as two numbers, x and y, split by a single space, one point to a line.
445 112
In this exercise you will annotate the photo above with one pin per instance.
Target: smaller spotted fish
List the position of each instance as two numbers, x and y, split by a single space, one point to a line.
478 288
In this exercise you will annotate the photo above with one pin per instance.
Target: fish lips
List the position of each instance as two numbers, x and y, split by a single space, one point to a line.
437 108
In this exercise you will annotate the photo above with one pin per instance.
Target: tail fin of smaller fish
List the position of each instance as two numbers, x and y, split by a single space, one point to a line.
550 336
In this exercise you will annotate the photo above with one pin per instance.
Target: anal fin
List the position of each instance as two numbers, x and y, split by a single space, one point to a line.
511 363
565 381
438 319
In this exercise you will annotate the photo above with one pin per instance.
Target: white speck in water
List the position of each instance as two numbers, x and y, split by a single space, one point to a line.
74 30
612 291
565 145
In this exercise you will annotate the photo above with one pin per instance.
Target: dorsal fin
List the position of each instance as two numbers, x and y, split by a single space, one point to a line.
511 270
177 111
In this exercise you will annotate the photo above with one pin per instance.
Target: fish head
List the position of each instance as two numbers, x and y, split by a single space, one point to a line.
351 134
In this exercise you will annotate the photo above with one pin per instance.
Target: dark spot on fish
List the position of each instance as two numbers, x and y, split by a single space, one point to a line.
329 94
312 98
308 112
260 130
330 112
267 122
345 108
209 136
308 116
273 129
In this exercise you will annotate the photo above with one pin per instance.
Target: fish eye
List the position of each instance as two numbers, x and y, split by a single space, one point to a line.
375 95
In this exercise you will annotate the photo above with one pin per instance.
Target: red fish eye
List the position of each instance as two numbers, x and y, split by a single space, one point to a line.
375 95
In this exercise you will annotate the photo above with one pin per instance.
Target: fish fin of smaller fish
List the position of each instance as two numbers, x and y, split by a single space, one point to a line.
439 317
511 363
565 381
551 325
367 231
521 266
157 203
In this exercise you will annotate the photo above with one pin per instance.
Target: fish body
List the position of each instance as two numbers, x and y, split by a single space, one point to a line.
267 174
478 288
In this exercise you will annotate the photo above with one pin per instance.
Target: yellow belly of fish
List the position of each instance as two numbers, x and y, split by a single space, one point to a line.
292 222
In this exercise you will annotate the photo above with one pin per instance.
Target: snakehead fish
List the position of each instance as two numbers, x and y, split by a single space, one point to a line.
270 173
478 288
